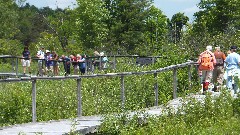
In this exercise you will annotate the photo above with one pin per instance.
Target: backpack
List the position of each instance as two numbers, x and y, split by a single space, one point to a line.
206 61
219 58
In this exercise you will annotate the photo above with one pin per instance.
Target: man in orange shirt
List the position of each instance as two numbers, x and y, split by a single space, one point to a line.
218 71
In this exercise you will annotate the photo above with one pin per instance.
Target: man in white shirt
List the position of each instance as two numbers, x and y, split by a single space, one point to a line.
40 55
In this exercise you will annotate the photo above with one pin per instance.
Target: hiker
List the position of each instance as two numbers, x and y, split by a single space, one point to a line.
81 63
74 64
232 68
49 63
55 63
218 71
206 63
66 64
40 56
26 60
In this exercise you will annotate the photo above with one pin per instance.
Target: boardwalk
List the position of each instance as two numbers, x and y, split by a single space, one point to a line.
88 124
85 124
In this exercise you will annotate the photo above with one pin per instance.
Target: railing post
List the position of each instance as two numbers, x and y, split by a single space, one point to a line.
16 67
114 62
156 89
100 63
122 91
34 97
79 98
174 83
189 77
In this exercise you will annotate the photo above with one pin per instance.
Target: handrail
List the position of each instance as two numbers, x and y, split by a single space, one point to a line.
34 79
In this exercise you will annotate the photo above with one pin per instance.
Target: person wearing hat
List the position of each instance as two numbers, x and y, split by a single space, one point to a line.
218 71
232 68
49 63
40 56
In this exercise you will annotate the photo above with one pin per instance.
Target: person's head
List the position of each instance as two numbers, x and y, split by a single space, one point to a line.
228 52
217 48
42 48
47 52
63 56
209 48
25 48
71 56
78 56
233 48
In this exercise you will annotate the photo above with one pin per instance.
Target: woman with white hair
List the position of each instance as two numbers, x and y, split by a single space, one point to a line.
206 63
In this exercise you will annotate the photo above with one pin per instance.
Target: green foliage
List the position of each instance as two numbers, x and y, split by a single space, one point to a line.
177 22
91 29
213 116
217 15
58 99
10 47
8 17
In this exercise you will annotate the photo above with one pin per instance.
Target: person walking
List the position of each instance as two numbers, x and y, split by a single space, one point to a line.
218 71
232 69
26 60
206 61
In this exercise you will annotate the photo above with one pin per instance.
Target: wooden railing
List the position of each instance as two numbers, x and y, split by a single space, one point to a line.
78 78
89 61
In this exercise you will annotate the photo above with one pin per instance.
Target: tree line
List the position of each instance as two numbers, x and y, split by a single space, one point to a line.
117 27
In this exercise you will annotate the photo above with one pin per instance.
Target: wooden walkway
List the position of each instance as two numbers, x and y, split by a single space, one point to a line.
85 124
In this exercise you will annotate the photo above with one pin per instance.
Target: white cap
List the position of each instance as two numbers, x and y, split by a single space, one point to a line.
101 53
209 48
47 51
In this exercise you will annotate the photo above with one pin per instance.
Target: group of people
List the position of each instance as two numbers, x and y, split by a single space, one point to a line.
52 61
215 67
48 62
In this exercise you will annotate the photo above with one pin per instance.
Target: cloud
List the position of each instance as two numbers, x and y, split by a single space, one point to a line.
180 1
61 3
191 9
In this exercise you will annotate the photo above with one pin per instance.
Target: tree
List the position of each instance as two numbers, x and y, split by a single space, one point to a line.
177 22
217 15
156 28
8 17
128 23
91 29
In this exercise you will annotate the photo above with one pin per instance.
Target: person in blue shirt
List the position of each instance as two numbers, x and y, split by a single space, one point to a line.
49 63
82 63
232 68
26 60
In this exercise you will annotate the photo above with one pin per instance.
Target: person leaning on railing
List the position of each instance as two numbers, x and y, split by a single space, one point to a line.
66 64
55 63
49 63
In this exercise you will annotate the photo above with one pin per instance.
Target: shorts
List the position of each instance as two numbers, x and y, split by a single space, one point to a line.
49 68
26 63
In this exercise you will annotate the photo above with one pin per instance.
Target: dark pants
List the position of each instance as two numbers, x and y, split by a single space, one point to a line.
66 68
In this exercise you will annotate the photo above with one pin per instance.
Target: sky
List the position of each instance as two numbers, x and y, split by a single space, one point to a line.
169 7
